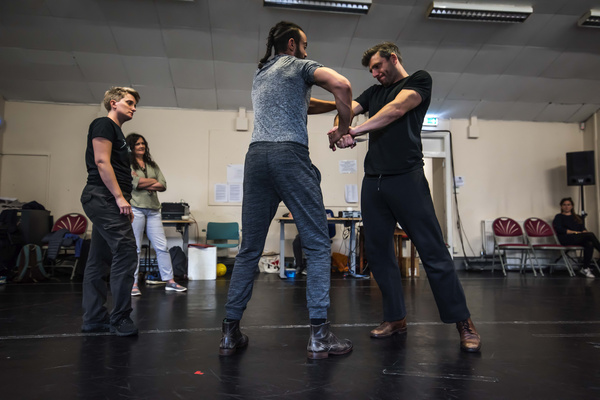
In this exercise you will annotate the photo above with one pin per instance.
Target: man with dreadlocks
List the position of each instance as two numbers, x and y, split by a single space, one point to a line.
277 160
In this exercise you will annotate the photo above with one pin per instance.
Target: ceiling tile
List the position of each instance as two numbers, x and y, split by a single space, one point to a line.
233 99
156 96
129 13
519 34
69 92
234 76
452 58
492 59
153 71
457 108
443 82
25 7
471 87
578 91
579 65
523 111
539 90
88 36
416 56
246 46
136 41
383 22
84 9
556 33
205 99
492 110
22 89
188 43
584 113
192 74
532 61
557 112
179 14
32 32
102 68
507 88
234 14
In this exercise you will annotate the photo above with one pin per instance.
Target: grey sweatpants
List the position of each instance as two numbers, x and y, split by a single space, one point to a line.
275 172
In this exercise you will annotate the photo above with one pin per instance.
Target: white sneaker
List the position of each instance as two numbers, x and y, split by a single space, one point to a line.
587 273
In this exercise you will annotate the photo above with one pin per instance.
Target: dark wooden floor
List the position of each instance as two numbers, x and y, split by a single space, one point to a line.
541 340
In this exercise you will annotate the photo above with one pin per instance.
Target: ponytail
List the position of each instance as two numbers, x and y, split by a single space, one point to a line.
278 38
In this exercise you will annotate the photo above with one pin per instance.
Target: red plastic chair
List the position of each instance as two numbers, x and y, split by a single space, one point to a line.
75 223
541 238
508 236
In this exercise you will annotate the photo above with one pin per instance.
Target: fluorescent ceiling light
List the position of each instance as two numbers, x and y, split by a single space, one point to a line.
590 19
345 6
479 12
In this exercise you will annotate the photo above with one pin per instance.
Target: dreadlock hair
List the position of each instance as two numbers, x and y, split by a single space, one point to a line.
279 35
131 140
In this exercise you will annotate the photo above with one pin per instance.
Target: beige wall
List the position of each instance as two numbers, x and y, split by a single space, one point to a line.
514 169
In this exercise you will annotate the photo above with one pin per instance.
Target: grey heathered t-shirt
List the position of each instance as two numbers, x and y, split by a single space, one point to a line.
280 97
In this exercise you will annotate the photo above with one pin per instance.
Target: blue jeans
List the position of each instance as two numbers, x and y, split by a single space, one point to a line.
276 172
152 221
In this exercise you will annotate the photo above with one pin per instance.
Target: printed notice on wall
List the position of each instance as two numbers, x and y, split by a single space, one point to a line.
347 166
235 192
351 194
221 194
235 173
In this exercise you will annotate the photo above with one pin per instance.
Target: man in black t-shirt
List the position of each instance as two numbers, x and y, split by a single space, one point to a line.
105 200
395 190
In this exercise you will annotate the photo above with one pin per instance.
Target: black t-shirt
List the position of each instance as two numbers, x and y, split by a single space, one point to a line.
396 148
119 158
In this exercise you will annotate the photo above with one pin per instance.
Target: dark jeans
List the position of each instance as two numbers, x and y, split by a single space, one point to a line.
588 240
113 243
275 172
406 199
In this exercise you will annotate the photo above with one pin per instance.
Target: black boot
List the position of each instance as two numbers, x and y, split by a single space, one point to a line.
231 338
322 343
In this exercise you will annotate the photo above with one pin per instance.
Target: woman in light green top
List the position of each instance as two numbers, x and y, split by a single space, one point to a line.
147 181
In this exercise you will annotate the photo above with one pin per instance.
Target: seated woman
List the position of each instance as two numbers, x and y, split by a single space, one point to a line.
147 181
570 230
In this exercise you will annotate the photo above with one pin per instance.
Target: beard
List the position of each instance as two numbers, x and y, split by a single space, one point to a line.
298 54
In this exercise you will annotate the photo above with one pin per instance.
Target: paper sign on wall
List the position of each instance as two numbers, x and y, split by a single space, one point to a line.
351 193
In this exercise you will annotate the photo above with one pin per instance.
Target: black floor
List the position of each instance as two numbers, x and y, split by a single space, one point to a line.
541 340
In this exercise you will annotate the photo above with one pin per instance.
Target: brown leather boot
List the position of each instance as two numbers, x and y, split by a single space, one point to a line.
231 338
322 343
469 338
387 329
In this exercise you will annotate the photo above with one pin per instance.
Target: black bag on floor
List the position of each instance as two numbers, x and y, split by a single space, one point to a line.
179 261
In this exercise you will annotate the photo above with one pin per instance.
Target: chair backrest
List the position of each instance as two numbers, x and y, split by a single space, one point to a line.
506 227
222 231
75 223
539 232
536 227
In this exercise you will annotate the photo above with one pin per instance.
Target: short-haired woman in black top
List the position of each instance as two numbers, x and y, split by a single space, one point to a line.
570 230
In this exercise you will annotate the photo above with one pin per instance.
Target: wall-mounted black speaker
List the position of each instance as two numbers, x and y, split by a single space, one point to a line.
581 168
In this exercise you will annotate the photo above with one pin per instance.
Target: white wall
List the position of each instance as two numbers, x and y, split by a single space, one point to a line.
514 169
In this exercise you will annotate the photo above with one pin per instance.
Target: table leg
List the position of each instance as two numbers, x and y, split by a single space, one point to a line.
352 248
